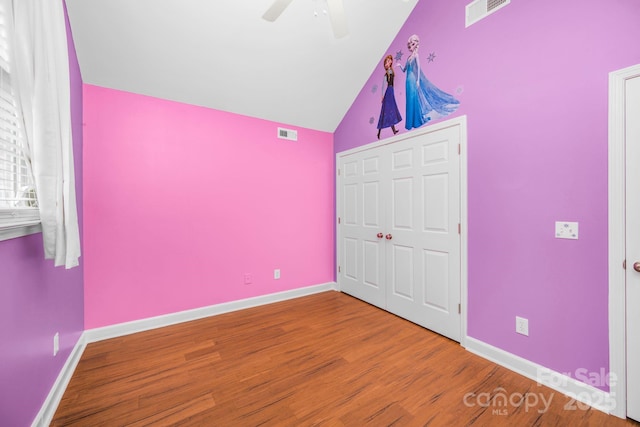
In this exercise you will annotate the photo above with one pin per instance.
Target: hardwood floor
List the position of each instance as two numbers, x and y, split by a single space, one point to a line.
326 359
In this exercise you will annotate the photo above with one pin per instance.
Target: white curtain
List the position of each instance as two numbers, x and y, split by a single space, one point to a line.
41 66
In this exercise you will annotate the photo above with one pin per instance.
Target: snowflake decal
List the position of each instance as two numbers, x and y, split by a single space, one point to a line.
371 120
459 90
399 55
431 57
374 88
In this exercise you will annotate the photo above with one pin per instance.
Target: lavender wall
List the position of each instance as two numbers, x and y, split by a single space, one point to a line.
533 82
36 301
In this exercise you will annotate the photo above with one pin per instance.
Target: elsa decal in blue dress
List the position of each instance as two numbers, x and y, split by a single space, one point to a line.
424 100
389 114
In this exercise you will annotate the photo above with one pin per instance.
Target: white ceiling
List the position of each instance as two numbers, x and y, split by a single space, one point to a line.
221 53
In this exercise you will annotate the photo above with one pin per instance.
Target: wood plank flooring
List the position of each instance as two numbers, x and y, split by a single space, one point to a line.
325 360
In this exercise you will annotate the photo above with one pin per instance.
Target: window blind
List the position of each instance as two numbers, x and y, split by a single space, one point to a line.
17 190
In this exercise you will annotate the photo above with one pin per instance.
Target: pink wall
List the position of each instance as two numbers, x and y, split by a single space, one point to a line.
534 80
181 201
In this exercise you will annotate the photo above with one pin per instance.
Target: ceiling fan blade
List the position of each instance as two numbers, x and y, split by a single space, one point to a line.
338 18
275 10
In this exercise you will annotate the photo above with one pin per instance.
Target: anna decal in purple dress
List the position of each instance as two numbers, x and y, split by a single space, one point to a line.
389 114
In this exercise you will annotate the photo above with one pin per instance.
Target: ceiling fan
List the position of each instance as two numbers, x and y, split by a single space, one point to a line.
335 9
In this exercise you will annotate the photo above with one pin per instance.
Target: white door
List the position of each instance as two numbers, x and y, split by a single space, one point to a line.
632 138
423 255
398 242
361 250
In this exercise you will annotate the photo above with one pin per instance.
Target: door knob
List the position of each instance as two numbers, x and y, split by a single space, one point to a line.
389 237
380 235
636 266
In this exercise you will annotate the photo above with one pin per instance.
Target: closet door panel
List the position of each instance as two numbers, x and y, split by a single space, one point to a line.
362 263
432 209
435 271
439 177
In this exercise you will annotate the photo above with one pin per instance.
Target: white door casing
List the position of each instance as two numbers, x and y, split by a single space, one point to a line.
411 190
622 181
632 276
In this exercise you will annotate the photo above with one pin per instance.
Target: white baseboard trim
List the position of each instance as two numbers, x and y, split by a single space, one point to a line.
571 387
48 409
121 329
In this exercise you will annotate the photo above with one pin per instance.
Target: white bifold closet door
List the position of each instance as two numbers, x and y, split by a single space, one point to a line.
398 234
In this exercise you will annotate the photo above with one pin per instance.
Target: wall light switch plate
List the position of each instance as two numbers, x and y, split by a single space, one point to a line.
566 230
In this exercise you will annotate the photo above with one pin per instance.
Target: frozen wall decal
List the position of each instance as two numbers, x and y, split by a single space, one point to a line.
424 101
389 113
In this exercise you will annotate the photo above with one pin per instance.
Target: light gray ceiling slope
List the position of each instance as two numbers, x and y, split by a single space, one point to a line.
221 53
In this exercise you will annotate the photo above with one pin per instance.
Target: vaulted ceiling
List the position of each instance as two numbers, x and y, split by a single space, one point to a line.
221 53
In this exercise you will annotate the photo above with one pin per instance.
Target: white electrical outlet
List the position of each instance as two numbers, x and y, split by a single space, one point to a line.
566 230
522 326
276 273
56 343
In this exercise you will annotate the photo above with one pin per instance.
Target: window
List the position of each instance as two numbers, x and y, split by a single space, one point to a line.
19 213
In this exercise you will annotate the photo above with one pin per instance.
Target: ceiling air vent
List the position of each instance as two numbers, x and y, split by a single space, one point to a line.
479 9
287 134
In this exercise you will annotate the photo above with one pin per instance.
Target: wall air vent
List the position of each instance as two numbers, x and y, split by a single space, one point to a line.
287 134
479 9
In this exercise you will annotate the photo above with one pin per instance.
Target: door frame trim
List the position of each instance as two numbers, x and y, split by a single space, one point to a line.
461 122
617 221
